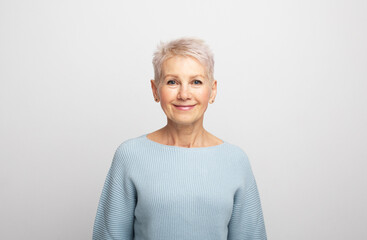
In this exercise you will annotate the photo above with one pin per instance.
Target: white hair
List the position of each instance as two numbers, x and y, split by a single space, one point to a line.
187 47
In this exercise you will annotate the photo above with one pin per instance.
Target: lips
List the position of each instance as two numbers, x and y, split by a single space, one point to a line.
184 107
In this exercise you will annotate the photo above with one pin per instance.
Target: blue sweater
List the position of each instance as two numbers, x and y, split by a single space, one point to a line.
160 192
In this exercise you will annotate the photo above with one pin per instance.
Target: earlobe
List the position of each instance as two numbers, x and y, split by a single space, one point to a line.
154 90
213 92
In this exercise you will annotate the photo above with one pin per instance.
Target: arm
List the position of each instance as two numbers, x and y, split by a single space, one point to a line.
115 214
247 222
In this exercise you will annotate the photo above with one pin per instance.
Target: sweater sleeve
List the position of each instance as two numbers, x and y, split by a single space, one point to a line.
115 214
247 222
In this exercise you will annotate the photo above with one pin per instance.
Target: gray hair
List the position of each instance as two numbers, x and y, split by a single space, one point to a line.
187 47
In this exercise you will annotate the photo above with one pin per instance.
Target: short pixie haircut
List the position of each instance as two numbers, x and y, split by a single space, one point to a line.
187 47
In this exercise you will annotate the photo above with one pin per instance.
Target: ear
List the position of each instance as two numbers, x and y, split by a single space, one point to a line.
213 93
154 90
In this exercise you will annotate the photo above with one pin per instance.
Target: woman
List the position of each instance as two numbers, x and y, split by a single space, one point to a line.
180 182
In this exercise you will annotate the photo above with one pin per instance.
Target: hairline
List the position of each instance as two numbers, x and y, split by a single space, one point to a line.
170 55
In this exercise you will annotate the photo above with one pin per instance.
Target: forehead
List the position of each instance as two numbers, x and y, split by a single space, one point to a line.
183 65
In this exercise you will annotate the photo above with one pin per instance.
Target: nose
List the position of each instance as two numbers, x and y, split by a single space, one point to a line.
184 92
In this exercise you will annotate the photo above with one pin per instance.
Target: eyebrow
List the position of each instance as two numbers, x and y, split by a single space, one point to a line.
170 75
199 75
173 75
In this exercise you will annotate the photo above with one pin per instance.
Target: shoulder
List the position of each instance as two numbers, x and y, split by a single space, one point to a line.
126 151
242 163
130 144
238 154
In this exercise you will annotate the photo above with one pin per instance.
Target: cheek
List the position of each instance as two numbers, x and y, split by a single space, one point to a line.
205 95
167 95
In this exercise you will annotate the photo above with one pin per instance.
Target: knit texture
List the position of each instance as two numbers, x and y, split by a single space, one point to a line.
160 192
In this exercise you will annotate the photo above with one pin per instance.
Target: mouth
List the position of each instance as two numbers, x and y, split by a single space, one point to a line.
184 107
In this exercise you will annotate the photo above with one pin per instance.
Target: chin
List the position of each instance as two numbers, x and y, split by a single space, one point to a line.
184 122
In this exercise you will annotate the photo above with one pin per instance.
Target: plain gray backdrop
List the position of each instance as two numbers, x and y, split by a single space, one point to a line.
292 85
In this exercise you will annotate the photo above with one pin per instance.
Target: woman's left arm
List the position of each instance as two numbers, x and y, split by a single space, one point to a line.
247 222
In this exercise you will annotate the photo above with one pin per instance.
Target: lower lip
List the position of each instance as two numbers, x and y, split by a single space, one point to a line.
185 108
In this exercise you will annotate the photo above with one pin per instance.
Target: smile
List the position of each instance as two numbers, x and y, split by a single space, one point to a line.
184 107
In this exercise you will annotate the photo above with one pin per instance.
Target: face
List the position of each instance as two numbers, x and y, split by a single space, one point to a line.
185 90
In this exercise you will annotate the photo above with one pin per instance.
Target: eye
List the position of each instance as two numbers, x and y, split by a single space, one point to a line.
170 82
197 82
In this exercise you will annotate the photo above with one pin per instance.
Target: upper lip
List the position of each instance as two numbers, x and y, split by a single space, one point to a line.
184 105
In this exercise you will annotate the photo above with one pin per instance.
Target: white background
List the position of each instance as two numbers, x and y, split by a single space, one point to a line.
292 84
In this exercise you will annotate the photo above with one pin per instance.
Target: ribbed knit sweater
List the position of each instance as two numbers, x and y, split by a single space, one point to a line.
160 192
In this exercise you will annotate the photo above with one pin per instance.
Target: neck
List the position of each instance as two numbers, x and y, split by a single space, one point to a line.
189 136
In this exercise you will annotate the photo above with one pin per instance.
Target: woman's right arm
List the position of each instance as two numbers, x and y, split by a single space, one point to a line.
115 214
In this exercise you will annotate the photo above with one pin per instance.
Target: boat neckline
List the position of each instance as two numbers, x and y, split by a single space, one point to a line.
183 148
